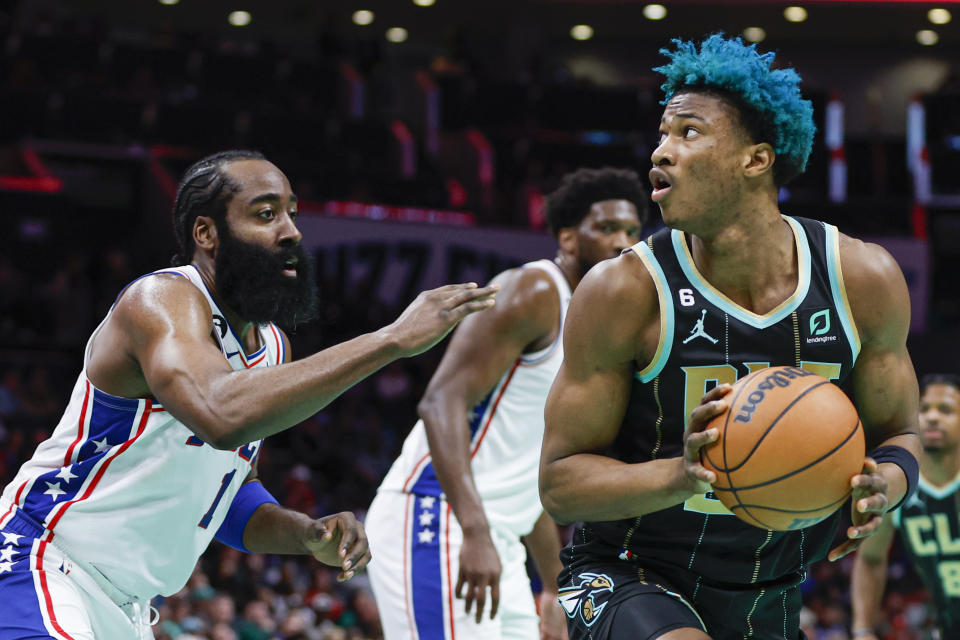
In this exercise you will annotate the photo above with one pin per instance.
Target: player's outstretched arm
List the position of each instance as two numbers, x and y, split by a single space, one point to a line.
884 382
482 349
613 324
160 332
336 540
869 579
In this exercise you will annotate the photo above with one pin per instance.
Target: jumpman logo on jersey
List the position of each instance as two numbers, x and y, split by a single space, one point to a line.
914 501
698 330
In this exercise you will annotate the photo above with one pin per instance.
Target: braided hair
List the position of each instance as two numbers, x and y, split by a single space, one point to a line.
204 191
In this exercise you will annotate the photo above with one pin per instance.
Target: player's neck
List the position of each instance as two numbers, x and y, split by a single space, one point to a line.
753 261
940 467
570 267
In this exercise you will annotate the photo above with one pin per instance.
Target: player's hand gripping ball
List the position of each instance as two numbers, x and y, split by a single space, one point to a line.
787 448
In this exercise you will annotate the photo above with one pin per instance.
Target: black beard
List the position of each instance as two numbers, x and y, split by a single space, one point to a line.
250 281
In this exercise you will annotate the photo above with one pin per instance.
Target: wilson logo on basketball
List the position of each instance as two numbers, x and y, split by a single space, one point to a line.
788 462
780 378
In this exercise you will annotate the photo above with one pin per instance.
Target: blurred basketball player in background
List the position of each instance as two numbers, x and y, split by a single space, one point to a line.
156 452
449 517
655 338
929 522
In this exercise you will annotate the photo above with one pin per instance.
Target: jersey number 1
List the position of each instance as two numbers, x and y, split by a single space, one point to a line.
208 516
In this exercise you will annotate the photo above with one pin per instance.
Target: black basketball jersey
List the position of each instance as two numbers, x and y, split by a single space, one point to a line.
929 524
706 339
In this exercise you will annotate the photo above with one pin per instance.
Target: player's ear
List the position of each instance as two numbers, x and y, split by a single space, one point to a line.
205 233
567 239
758 159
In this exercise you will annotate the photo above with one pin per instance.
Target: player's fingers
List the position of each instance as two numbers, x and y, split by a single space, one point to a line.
452 288
716 393
350 534
480 593
472 307
458 591
354 568
362 561
868 484
701 473
866 529
874 503
458 298
461 312
842 549
706 412
494 597
696 441
355 552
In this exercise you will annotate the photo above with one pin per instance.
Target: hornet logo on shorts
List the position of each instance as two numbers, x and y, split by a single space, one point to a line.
584 596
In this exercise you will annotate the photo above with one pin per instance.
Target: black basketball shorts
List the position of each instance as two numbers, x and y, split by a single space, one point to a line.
618 600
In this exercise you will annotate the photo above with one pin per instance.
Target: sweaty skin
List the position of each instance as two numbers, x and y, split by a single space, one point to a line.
715 184
158 342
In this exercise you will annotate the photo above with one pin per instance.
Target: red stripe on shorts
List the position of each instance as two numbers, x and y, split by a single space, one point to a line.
47 600
83 417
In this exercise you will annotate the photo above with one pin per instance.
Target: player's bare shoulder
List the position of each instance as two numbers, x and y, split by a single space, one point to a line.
159 299
148 309
620 277
874 285
527 294
617 300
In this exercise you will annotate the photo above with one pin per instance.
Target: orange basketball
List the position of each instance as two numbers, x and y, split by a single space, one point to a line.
787 449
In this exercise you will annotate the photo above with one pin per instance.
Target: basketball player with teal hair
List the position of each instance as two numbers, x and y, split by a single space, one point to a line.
655 339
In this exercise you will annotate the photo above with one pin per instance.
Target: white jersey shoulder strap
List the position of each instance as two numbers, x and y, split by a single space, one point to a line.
563 293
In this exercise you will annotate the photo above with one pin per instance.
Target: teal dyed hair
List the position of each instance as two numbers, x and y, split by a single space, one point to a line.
780 115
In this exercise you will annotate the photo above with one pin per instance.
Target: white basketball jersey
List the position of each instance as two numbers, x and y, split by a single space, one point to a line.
128 491
506 430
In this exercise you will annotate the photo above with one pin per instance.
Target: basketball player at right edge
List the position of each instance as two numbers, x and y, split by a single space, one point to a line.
656 556
929 521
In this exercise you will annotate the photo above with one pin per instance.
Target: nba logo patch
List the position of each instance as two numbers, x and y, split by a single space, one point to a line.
819 326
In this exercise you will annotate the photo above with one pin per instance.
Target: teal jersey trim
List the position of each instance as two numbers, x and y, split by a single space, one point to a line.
665 298
724 303
939 492
840 301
